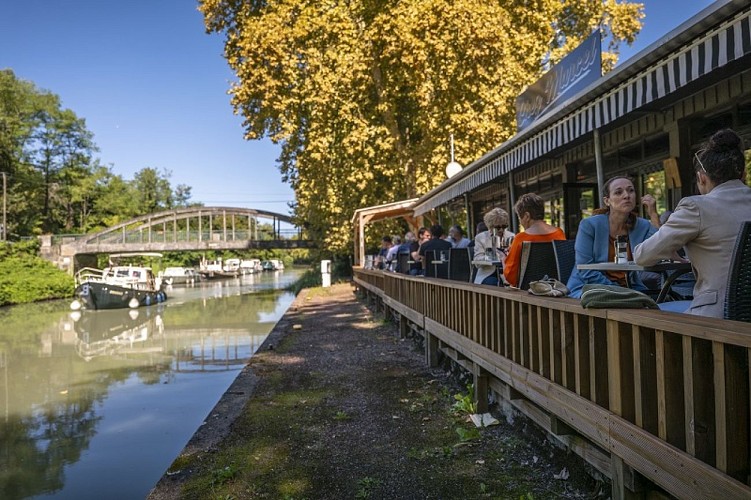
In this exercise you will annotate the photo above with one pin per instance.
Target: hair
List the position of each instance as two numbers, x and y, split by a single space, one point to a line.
397 239
481 226
409 236
721 157
422 231
386 239
458 229
532 204
631 220
497 217
436 231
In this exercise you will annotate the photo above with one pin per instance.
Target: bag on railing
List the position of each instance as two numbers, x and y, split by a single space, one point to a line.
548 287
596 296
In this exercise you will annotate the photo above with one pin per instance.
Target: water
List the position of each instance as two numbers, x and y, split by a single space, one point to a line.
99 405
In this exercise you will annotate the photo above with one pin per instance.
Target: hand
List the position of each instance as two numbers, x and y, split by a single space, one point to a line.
650 203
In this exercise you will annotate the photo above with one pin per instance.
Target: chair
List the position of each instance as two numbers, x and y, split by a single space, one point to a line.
460 267
565 255
738 295
402 262
538 259
427 266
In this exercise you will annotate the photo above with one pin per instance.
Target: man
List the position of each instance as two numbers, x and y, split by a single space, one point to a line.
456 237
435 243
380 262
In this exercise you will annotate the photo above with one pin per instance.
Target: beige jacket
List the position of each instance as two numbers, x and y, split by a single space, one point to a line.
707 226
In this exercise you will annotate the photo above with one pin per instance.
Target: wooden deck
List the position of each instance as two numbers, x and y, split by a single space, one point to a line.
637 393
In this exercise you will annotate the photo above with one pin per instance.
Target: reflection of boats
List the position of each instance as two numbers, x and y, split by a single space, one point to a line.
118 286
272 265
214 269
106 332
179 276
250 266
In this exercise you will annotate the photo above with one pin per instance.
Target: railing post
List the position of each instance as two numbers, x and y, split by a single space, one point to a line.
481 388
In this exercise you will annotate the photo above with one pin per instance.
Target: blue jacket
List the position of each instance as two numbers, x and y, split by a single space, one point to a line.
592 246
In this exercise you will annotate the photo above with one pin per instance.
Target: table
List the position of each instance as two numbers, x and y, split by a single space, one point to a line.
680 269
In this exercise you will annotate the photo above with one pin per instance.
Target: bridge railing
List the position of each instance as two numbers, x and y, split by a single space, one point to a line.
183 235
666 395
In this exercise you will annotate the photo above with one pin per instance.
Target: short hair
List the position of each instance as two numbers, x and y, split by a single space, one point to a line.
409 236
481 227
721 157
532 204
386 239
458 229
422 231
436 231
496 217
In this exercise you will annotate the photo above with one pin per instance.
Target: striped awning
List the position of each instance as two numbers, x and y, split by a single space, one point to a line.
710 40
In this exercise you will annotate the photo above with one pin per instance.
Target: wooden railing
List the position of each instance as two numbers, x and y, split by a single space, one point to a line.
663 394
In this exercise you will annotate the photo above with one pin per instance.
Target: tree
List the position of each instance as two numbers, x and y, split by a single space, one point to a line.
362 95
153 190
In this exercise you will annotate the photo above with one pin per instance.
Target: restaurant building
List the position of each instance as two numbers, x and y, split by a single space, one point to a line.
645 119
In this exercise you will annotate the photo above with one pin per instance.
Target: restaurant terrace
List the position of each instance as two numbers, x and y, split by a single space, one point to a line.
656 401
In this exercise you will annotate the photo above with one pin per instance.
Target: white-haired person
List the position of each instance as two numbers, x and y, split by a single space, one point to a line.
496 221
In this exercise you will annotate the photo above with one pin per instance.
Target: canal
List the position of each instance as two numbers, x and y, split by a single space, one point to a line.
98 404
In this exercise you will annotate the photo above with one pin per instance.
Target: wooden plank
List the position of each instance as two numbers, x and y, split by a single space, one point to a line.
615 372
737 404
688 394
718 354
599 361
554 320
662 431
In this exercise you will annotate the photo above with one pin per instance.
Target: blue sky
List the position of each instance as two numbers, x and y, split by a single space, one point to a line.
152 86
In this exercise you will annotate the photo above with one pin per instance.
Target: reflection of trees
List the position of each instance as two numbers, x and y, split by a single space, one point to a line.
36 449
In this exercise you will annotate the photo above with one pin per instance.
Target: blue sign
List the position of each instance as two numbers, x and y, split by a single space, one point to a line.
576 71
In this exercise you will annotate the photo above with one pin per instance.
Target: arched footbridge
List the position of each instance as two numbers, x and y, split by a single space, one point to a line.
194 228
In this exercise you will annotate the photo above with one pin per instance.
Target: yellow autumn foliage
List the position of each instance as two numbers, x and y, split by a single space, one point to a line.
362 95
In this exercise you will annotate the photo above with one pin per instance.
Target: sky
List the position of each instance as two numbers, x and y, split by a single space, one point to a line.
152 87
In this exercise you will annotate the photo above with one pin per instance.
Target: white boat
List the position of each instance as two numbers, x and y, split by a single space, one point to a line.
250 266
118 286
179 276
272 265
215 269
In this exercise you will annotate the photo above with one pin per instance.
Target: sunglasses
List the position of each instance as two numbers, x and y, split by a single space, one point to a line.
697 161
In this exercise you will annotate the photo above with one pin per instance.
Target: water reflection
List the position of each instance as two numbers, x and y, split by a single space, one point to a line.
102 401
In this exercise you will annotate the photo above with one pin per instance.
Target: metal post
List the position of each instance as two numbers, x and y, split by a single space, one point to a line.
513 219
599 168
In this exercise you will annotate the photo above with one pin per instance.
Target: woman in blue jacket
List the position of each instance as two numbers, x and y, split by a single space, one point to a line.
597 234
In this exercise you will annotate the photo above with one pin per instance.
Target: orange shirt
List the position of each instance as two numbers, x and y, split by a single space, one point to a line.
513 260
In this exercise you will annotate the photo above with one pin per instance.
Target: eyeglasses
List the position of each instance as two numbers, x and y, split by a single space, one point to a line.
698 161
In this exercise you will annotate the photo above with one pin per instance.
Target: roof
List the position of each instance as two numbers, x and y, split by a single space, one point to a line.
711 39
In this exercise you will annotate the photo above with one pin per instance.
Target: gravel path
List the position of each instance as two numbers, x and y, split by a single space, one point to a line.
335 406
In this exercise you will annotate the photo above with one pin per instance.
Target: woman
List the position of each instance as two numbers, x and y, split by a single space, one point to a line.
496 221
595 239
530 209
706 225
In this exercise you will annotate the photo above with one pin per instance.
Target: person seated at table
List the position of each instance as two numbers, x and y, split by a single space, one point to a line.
478 229
380 260
706 225
596 236
415 267
435 243
456 237
496 220
530 208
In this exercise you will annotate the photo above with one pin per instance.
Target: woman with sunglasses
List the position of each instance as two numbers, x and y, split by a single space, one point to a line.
596 237
496 220
706 224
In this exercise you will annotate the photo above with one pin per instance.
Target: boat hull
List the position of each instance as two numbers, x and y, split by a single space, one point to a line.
97 295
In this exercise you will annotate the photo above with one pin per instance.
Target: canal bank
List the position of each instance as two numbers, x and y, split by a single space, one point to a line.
335 405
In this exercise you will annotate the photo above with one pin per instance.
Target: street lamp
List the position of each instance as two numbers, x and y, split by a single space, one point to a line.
453 167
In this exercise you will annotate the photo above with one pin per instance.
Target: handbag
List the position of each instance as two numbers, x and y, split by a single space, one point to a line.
596 296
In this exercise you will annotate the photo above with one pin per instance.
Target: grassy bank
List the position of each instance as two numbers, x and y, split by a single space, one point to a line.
25 277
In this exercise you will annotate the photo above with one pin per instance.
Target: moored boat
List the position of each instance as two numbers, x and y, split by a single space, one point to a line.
117 287
179 276
215 269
